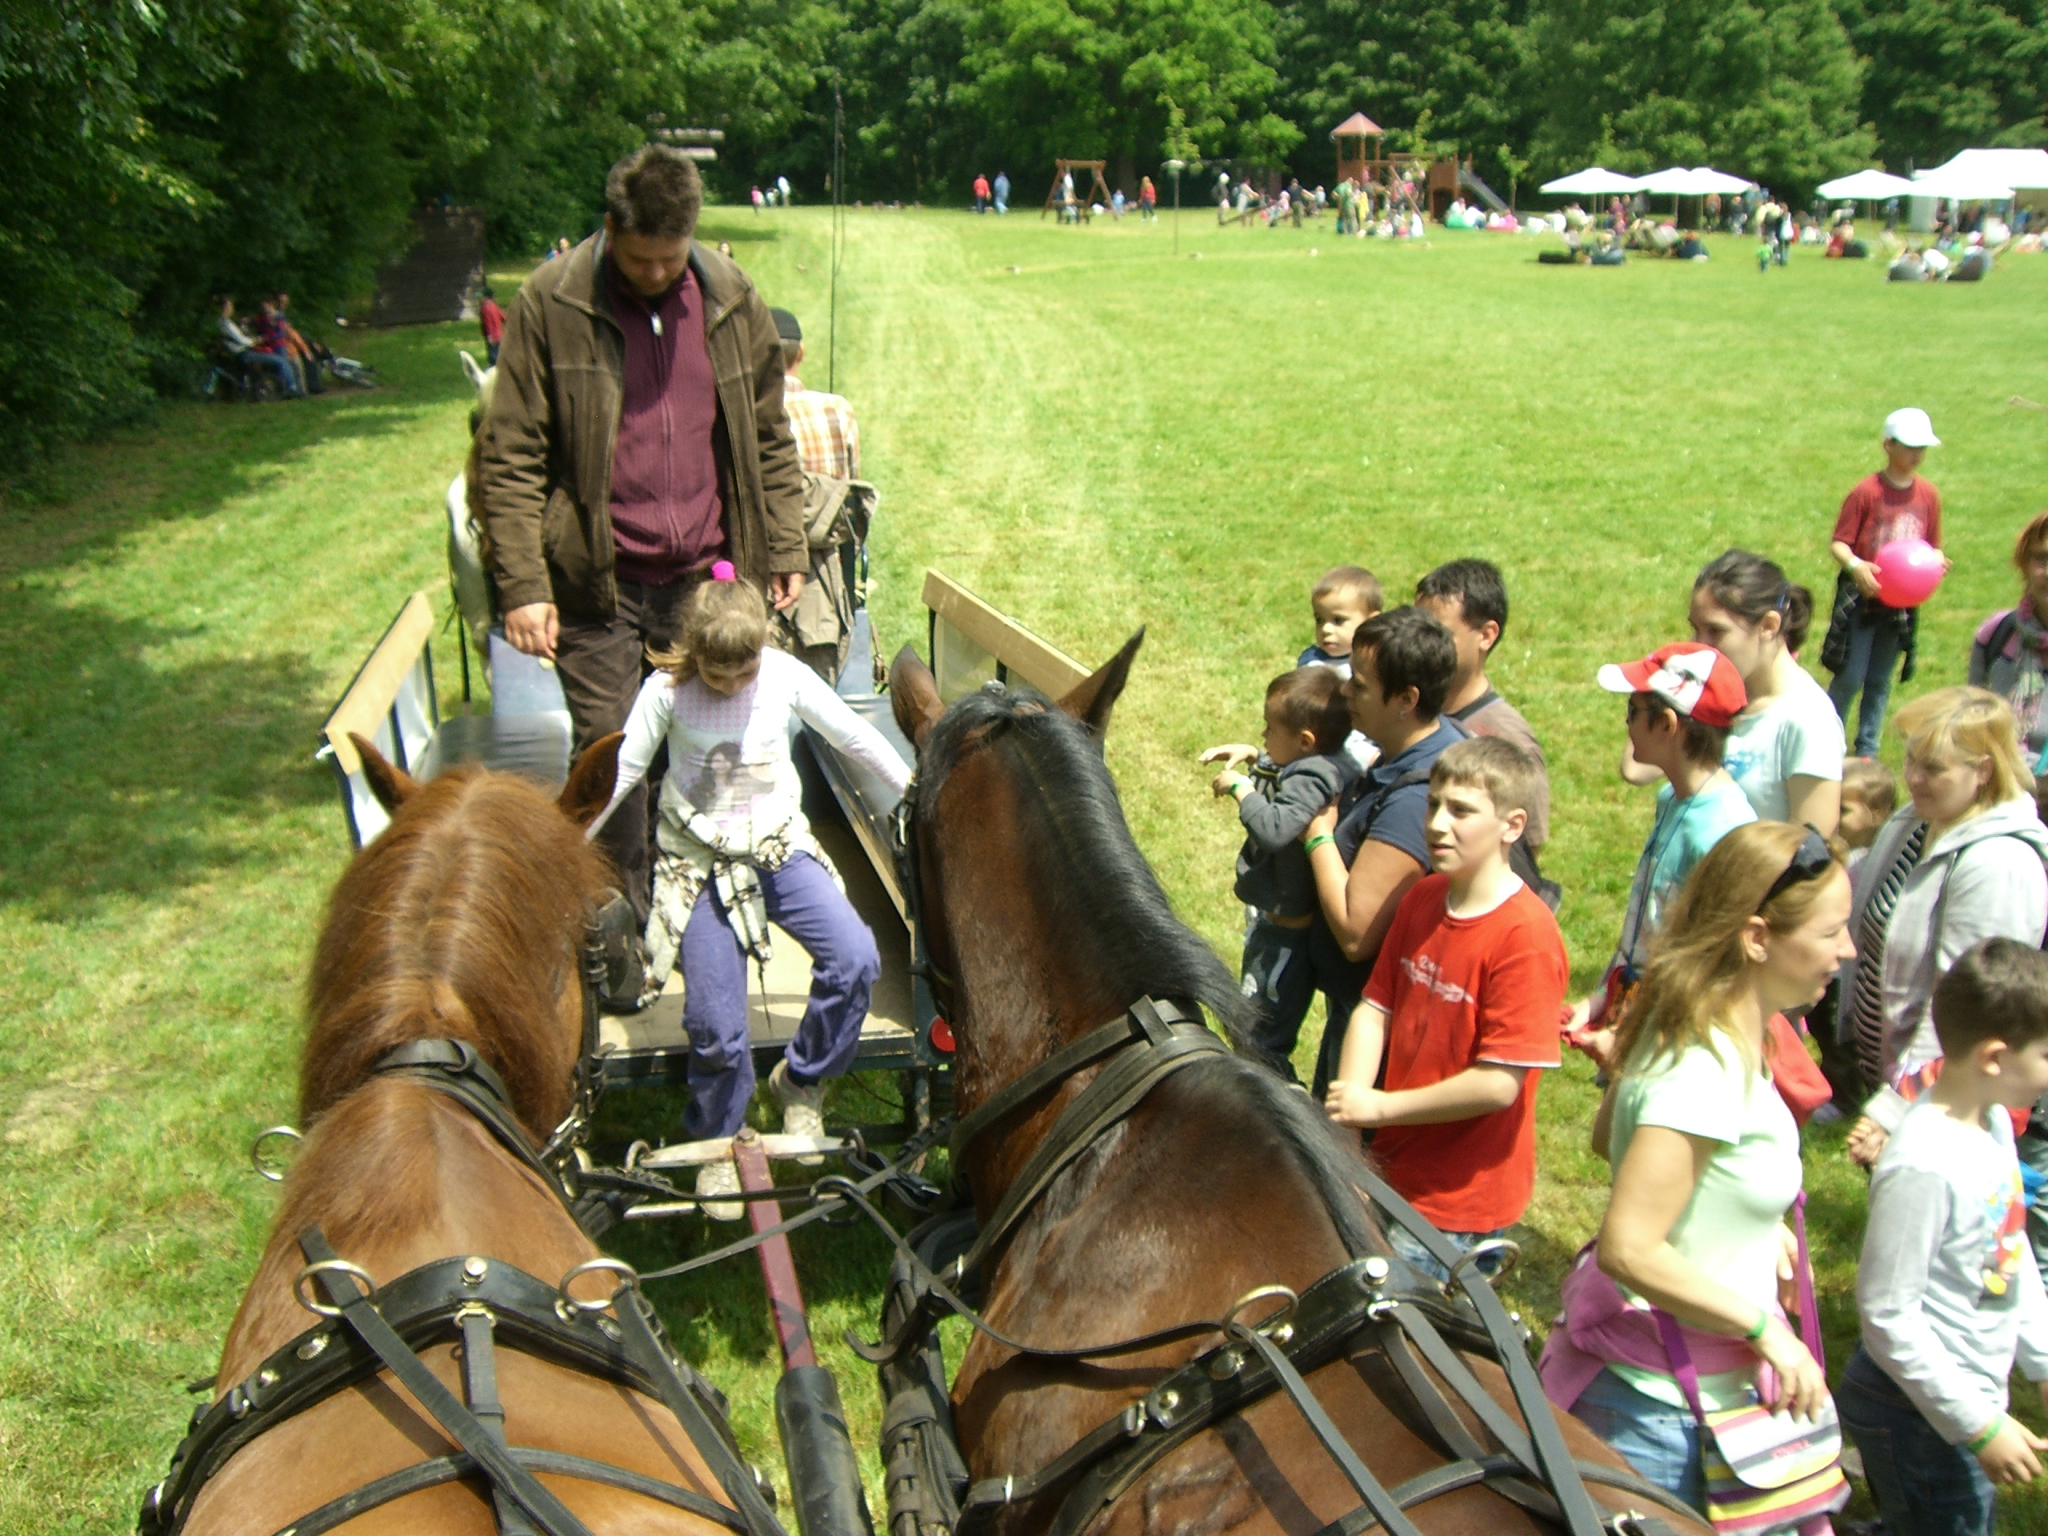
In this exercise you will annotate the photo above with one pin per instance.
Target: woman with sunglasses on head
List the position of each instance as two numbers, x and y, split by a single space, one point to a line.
1962 861
1706 1162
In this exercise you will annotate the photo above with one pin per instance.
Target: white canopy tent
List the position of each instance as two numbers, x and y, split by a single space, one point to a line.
1865 186
1962 184
1594 181
2021 169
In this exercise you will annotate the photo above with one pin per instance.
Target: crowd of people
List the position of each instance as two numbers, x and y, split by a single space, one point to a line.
1788 902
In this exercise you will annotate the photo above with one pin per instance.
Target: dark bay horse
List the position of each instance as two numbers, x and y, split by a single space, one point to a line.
1043 922
462 921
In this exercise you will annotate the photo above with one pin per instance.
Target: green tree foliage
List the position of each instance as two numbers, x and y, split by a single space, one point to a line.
1769 88
1944 75
1460 62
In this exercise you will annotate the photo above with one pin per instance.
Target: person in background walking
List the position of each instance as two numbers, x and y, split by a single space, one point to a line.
981 193
492 320
1002 192
1148 198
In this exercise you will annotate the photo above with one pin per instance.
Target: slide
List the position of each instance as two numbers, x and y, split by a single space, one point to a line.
1471 183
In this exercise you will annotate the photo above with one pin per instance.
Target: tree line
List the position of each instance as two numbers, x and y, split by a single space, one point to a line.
159 152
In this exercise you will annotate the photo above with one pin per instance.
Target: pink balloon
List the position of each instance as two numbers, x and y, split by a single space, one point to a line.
1908 571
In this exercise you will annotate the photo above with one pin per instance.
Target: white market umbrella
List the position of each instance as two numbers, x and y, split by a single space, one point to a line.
1706 179
1673 181
1865 186
1594 181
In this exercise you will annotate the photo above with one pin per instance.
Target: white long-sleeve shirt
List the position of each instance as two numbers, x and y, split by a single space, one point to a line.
1947 1288
729 758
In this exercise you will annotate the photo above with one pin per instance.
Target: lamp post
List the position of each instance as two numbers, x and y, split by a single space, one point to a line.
1176 167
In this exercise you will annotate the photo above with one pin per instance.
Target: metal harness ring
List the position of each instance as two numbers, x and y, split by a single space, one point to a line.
331 1267
256 1147
629 1277
1507 1247
1274 1324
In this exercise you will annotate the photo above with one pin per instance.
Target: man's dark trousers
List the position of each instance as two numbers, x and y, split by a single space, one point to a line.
602 663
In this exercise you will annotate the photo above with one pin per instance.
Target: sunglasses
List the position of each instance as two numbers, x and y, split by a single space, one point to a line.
1810 860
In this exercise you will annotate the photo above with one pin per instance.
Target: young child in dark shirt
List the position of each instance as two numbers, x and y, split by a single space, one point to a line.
1302 768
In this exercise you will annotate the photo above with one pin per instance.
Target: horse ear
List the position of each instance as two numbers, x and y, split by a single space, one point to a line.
392 786
471 368
1091 702
592 780
914 694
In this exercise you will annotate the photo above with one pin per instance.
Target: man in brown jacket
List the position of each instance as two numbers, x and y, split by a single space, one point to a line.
636 434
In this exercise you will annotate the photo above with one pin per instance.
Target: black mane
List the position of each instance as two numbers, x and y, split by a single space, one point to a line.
1115 917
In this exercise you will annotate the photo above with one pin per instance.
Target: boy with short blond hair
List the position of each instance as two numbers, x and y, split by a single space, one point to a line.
1948 1289
1300 768
1869 796
1343 598
1462 1010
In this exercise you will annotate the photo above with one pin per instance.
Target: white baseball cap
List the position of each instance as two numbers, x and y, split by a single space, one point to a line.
1910 428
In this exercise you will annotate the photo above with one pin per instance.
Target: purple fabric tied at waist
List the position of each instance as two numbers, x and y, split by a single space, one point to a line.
1599 1327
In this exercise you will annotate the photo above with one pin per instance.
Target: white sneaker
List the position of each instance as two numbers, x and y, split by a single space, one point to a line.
802 1108
720 1178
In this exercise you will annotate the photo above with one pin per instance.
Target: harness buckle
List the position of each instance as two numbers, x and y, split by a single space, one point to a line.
263 1169
304 1296
1277 1325
567 1306
1510 1253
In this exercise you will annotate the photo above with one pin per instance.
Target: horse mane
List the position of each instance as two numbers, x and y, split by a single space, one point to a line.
1116 919
1114 916
460 921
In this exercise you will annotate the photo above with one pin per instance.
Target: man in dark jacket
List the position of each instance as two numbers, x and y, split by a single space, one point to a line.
635 436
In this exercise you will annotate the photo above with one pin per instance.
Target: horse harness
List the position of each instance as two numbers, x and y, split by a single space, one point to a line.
476 1303
1405 1320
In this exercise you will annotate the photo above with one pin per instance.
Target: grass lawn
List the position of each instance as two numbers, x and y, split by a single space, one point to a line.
1091 434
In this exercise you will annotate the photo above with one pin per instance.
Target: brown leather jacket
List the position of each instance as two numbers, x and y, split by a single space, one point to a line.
545 457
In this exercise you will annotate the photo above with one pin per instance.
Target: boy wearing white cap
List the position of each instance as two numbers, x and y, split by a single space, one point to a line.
1865 637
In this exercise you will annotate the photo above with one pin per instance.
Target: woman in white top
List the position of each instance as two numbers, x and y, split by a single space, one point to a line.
1706 1160
1786 748
735 853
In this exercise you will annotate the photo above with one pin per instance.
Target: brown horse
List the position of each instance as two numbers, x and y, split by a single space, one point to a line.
1043 922
462 921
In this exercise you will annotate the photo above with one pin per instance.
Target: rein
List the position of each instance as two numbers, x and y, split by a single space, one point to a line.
467 1301
1406 1314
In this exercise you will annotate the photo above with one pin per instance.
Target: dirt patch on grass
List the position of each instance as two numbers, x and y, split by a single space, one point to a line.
51 1118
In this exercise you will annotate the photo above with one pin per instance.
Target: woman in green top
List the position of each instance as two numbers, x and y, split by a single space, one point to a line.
1705 1152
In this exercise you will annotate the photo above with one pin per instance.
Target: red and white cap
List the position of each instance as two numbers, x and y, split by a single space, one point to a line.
1694 679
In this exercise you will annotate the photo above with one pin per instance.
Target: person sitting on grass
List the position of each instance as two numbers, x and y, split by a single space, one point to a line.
741 856
241 347
1682 700
1947 1289
1462 1009
1301 769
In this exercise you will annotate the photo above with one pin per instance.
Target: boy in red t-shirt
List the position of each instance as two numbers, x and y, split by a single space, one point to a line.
1463 1004
1893 504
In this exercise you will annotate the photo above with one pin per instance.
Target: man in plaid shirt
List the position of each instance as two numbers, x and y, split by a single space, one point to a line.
827 436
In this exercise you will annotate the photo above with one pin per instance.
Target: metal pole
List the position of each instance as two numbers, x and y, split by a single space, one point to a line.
1176 166
838 230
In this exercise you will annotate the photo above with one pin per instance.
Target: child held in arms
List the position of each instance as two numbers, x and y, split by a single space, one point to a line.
1301 769
1343 598
1463 1005
1947 1289
735 853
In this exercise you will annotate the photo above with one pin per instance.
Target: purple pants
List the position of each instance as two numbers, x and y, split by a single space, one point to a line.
805 904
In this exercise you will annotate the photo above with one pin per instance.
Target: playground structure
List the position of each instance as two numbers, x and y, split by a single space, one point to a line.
1381 175
1098 189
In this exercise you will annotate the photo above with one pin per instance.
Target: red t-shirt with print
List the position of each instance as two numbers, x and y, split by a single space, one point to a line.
1878 513
1458 991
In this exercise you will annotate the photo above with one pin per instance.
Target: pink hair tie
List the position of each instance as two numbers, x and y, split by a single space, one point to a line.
721 570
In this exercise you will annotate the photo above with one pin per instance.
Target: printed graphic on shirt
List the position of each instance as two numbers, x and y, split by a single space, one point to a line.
2008 1248
1423 971
721 783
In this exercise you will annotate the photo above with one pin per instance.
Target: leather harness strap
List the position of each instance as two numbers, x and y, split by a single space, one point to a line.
508 1479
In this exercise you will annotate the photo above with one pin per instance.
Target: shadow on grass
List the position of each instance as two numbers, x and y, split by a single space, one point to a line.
128 777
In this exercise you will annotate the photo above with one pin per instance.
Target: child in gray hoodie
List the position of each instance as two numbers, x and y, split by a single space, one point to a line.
1302 768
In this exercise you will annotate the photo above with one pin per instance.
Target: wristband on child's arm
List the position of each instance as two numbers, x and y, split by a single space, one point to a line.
1989 1434
1763 1321
1240 785
1318 841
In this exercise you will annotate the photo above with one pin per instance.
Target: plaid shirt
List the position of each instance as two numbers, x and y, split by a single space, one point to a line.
827 436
